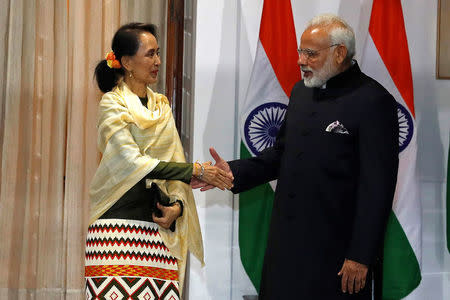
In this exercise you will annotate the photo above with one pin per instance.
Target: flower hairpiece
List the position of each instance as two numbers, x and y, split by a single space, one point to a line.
111 60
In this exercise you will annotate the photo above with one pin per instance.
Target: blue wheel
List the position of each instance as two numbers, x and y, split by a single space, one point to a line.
405 127
262 126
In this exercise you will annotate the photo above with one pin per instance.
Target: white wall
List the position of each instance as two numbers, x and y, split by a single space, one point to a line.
227 32
214 109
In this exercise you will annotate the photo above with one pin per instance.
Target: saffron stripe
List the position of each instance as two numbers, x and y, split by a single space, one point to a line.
388 33
277 35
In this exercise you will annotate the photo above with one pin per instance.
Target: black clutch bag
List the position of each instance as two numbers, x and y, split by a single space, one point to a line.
157 196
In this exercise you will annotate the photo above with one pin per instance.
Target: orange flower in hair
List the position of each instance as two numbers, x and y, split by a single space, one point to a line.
115 64
111 60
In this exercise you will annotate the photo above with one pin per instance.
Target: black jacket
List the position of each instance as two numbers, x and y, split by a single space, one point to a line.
334 191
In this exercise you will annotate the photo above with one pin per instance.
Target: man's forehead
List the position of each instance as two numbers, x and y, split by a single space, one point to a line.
315 30
315 34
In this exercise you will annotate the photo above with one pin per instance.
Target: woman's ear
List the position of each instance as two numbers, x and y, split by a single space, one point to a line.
126 63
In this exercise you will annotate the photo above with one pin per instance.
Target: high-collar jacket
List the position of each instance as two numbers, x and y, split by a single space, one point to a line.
335 185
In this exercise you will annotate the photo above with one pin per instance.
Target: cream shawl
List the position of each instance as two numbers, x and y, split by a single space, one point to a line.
133 139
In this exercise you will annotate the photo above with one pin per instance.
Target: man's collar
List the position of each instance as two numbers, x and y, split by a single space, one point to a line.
343 79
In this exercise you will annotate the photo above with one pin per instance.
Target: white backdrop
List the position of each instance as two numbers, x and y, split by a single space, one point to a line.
226 36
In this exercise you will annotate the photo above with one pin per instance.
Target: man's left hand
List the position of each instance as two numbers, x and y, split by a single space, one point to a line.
353 275
169 214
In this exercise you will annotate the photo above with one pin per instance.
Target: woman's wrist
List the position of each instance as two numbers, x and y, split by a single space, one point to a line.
195 169
198 170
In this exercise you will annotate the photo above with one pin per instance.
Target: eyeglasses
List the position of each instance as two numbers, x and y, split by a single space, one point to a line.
309 53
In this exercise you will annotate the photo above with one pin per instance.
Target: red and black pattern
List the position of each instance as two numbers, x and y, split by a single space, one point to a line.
95 255
130 288
127 259
124 242
131 228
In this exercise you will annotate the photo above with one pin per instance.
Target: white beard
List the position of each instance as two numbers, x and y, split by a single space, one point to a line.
321 76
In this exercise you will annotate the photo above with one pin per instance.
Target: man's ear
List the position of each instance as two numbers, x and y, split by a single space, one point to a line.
126 63
341 53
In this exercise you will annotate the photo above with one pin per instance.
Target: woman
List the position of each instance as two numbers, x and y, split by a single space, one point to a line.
136 246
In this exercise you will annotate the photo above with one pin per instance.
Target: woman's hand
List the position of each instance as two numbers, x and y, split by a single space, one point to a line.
213 175
217 177
221 164
169 215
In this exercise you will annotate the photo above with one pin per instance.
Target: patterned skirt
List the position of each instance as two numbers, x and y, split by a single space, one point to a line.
127 259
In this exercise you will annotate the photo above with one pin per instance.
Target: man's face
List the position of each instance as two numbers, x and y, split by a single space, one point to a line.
316 57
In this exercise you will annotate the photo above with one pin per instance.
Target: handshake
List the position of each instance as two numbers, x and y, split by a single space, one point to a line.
205 176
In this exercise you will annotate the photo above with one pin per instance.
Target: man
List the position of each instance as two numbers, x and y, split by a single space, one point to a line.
336 159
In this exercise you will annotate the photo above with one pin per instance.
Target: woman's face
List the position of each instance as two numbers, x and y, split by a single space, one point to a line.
144 65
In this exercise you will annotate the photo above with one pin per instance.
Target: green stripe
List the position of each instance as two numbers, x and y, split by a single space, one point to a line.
255 209
448 200
401 271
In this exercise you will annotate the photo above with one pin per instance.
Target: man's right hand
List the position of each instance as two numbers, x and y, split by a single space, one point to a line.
354 276
220 163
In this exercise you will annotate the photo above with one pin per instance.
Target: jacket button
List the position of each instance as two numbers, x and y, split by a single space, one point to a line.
300 154
313 113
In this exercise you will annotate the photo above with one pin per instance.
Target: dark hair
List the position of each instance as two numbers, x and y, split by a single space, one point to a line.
124 43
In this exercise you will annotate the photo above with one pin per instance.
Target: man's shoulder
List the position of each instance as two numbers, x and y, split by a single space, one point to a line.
372 87
375 95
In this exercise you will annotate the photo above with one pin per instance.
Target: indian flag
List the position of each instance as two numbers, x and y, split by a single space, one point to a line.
275 72
386 58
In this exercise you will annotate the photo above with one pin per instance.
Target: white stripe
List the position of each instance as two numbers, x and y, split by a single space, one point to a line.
406 205
263 87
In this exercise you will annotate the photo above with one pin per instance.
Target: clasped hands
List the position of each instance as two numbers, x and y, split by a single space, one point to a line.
206 176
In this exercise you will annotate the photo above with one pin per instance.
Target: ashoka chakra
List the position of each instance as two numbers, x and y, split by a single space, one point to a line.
262 126
405 127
